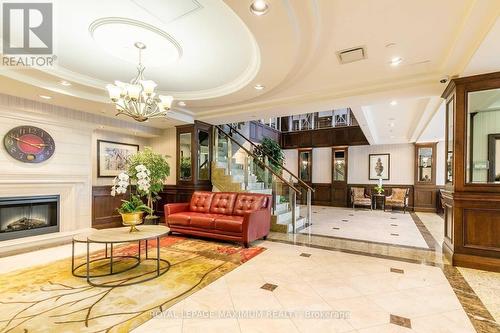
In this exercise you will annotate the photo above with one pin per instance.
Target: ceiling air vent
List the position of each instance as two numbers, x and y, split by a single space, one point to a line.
351 55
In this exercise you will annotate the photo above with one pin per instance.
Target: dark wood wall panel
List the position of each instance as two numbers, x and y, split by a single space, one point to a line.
322 194
326 137
426 198
104 214
258 131
482 229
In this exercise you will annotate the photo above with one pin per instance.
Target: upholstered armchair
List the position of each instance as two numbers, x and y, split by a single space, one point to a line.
358 197
398 198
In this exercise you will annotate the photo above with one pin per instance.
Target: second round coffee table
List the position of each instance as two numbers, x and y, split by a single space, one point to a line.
123 235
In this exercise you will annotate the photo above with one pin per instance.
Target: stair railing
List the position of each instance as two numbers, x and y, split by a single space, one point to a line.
294 178
250 157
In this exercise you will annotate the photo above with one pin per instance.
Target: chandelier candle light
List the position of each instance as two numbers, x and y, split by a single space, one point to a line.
138 99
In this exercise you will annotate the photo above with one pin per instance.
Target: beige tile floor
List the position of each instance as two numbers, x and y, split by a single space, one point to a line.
351 293
364 224
486 285
435 224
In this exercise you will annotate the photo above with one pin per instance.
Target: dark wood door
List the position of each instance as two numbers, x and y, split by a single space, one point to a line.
339 176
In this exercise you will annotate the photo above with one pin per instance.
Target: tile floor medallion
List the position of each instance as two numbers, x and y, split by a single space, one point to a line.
49 298
367 225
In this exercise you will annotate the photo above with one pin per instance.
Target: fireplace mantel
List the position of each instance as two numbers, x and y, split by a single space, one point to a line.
75 209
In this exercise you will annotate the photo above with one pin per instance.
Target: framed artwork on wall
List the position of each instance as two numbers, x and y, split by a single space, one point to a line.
112 157
379 166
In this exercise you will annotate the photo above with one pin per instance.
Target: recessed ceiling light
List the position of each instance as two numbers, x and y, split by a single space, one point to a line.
259 87
396 61
45 97
181 103
65 83
259 7
101 126
394 103
392 124
392 136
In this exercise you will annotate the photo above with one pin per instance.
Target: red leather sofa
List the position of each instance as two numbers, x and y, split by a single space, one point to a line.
239 217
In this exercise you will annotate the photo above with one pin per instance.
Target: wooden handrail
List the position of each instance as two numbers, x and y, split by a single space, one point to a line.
272 159
259 161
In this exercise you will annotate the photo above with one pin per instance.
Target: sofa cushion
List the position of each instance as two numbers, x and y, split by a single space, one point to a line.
193 219
246 203
179 219
223 203
200 202
229 223
202 221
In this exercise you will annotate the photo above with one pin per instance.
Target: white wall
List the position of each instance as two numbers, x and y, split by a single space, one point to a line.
291 160
166 144
111 136
402 164
322 165
67 173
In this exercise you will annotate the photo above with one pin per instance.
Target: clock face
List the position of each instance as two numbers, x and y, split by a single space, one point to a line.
29 144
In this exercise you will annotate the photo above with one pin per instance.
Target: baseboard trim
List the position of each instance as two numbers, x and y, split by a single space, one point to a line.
476 262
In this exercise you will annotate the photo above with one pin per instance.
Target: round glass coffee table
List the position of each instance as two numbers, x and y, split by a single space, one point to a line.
115 236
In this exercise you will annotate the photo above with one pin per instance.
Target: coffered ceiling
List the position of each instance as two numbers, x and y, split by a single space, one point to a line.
211 53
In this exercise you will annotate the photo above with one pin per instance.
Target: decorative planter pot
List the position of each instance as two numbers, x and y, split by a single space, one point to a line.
132 219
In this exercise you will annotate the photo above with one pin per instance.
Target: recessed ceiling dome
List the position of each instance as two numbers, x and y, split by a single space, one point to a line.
117 37
196 49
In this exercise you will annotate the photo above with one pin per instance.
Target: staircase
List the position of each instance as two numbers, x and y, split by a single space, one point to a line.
236 168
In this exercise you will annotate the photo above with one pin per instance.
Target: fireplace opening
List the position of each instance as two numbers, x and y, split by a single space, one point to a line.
28 216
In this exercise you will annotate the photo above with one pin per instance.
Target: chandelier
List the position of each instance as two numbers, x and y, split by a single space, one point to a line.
138 99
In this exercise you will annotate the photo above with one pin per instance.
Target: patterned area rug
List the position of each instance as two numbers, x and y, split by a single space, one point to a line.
50 299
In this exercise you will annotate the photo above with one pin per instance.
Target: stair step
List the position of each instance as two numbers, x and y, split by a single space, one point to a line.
287 215
267 191
286 226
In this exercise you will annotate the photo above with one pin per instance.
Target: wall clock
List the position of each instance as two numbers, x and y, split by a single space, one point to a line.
29 144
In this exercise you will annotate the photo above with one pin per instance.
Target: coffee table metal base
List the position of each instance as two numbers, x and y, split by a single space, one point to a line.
112 260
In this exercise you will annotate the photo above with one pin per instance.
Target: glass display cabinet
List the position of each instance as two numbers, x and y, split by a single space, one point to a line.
305 165
194 157
425 190
471 195
425 166
339 177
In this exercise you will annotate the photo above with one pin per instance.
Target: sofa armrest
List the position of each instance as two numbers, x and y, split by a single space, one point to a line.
175 208
256 224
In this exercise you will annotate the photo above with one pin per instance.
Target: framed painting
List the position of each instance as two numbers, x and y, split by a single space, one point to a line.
379 166
112 157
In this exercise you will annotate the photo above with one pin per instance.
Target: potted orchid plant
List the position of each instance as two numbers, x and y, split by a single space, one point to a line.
148 171
132 210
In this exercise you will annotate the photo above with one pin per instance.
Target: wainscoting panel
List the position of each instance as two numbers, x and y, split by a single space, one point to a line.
104 213
322 195
426 198
482 229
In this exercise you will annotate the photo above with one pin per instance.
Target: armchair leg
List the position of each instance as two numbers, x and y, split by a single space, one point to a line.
265 237
245 244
